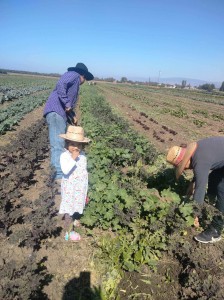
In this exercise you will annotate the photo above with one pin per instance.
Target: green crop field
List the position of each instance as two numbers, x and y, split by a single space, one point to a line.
19 95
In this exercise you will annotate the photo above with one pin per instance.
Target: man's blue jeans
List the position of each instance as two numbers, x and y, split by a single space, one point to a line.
56 126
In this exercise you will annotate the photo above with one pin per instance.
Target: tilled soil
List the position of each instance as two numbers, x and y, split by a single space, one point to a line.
147 113
69 264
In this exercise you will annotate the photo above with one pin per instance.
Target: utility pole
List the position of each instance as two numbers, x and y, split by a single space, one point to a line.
159 76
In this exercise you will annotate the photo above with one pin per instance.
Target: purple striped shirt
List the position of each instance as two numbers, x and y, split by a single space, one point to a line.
64 95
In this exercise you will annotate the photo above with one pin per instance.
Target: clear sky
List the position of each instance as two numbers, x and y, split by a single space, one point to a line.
131 38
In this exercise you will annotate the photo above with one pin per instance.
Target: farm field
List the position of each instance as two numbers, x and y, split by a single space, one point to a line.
167 116
136 232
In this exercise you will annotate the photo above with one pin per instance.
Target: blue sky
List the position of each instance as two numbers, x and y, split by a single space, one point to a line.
131 38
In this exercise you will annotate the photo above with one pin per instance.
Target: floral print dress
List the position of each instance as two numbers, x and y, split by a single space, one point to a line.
74 184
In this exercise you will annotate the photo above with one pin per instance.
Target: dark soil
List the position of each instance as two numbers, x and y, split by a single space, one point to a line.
190 271
66 270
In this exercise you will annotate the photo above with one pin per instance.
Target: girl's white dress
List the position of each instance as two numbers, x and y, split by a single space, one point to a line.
74 184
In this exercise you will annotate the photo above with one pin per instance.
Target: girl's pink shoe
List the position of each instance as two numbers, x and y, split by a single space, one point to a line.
74 236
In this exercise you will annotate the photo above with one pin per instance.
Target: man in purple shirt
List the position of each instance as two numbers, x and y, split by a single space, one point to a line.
206 159
59 107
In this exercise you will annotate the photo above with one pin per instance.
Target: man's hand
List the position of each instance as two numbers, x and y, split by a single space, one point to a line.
190 189
71 117
75 120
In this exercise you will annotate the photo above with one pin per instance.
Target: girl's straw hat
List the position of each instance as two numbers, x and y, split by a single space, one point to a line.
75 134
179 157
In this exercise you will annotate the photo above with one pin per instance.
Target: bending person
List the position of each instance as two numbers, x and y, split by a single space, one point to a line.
206 159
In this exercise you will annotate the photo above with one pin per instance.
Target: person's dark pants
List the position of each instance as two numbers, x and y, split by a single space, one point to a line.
216 189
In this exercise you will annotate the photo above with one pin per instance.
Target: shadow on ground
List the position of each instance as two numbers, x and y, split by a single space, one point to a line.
80 289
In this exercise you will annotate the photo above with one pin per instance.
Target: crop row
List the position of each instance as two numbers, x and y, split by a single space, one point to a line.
196 95
7 94
156 135
23 276
121 198
141 207
11 115
14 87
150 97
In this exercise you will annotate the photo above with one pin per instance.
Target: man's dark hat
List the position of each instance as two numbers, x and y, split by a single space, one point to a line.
81 69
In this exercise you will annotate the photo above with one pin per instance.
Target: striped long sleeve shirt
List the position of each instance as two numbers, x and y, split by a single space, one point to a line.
64 95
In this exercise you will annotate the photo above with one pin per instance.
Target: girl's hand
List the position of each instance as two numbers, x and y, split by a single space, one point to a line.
196 222
75 153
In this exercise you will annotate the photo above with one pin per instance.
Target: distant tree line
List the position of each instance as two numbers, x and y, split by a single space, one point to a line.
5 71
207 87
109 79
222 87
125 80
210 87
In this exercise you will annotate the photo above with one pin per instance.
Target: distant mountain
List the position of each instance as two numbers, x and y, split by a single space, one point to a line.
177 80
192 82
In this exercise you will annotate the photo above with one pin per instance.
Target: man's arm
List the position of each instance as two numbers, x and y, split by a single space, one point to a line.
201 173
62 93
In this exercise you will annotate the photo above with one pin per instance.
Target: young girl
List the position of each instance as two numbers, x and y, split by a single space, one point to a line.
74 183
